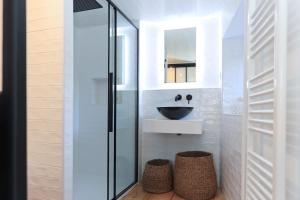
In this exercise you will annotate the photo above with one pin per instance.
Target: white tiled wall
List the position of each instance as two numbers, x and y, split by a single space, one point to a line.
231 162
207 107
232 121
293 103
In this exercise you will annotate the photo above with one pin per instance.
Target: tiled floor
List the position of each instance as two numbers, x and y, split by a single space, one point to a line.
138 194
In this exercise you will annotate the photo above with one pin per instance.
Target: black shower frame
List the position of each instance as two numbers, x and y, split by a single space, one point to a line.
13 148
112 118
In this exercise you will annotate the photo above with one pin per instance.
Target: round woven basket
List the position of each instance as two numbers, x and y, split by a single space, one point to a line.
158 177
195 176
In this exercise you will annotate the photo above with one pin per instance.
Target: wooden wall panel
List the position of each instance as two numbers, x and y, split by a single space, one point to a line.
45 74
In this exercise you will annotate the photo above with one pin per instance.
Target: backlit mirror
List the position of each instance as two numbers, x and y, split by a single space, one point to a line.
180 55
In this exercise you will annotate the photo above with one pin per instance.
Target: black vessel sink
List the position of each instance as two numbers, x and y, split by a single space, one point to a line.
175 112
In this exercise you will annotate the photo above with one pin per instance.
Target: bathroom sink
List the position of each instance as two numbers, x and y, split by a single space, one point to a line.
175 112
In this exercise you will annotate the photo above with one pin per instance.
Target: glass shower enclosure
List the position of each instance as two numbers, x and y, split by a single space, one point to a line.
105 101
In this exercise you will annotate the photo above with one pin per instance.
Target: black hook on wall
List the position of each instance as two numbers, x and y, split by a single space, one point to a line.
189 97
178 97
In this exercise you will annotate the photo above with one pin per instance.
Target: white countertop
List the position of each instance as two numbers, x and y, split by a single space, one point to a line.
172 126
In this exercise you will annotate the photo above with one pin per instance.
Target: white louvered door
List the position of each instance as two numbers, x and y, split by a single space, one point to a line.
265 120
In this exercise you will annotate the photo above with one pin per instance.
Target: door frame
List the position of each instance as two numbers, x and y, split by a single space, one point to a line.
13 102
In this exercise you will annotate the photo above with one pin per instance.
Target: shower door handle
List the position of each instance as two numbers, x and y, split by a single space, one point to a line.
110 102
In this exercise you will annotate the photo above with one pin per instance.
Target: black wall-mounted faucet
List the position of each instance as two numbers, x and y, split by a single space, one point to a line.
189 97
178 97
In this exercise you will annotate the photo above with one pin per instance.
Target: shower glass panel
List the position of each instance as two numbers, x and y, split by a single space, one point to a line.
111 141
126 104
91 102
105 101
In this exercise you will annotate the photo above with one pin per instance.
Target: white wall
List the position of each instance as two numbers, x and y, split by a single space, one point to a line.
68 98
232 108
208 53
232 117
293 103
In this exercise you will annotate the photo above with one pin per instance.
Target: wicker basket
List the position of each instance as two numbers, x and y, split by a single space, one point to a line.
158 176
195 177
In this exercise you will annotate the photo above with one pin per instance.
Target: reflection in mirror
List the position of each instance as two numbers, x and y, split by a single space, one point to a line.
120 60
180 55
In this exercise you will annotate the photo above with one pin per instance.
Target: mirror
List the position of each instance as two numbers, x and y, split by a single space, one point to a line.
180 55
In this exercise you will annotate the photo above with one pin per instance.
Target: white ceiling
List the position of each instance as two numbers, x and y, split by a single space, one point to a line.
157 10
